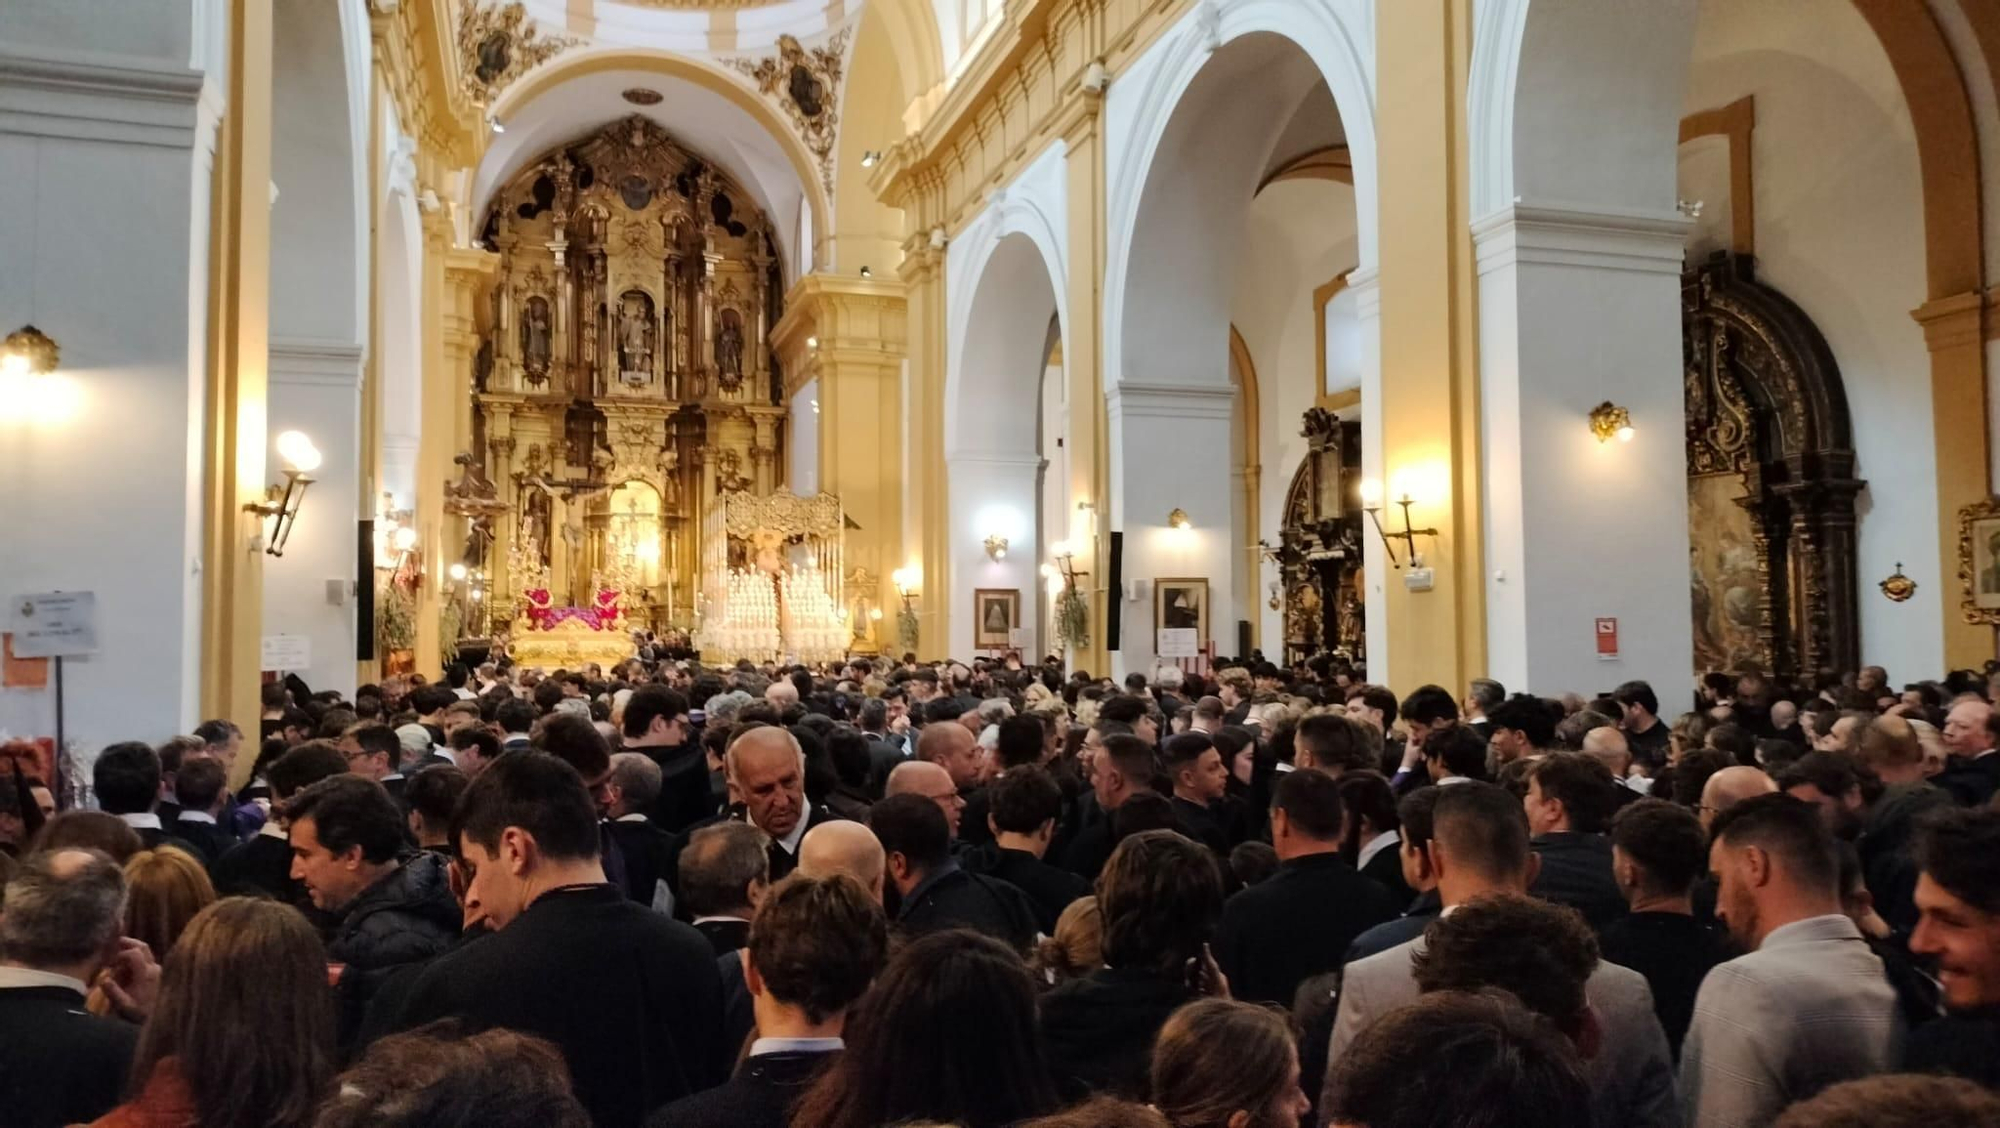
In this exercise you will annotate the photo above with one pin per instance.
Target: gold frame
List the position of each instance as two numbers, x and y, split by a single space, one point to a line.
981 640
1970 517
1160 587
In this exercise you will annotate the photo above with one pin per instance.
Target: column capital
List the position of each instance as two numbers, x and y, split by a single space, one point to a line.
1131 399
1556 235
1958 321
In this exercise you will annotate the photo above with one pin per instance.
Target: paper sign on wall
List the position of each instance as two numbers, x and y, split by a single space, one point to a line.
1607 639
54 624
1178 642
284 653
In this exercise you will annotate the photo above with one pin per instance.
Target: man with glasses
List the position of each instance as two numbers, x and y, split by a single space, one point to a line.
372 751
929 780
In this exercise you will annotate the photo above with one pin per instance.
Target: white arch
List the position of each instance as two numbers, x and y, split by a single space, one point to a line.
1337 35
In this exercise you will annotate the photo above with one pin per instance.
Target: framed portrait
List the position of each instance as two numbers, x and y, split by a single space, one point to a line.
996 612
1181 604
1979 561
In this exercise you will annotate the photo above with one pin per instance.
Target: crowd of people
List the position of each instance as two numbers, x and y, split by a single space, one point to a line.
986 895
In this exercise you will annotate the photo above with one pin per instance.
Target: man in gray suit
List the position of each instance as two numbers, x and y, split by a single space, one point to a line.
1479 846
1809 1006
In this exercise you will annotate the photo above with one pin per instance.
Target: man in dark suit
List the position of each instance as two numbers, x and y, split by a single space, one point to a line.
60 1064
724 872
1413 853
1972 774
374 751
263 865
1295 925
816 945
200 785
1570 800
1026 802
884 751
126 777
1122 768
630 997
932 892
629 798
656 723
1200 782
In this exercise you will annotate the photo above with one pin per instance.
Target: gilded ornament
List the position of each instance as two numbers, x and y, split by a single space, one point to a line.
806 84
1898 587
1979 561
497 45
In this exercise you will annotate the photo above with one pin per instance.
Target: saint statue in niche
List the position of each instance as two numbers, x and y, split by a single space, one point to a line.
729 349
635 338
535 335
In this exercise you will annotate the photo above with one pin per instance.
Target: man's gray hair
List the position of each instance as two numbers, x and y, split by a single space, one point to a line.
723 707
1167 676
1571 730
637 778
719 866
63 907
1487 693
993 710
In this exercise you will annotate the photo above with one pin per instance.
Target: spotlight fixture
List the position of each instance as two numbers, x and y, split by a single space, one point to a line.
812 342
1608 421
1178 519
1371 503
870 158
495 124
996 547
28 351
867 273
282 502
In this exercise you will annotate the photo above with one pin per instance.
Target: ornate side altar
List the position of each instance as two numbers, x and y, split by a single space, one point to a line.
771 579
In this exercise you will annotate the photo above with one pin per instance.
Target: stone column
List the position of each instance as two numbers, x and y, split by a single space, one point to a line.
1083 367
926 529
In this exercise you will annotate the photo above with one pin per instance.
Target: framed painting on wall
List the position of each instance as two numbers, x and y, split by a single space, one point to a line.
1979 561
1181 604
996 612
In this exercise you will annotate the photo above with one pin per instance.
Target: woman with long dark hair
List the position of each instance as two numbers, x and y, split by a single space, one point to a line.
241 1035
946 1034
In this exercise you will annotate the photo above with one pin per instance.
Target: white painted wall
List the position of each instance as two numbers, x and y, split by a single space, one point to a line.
1840 232
1301 234
103 209
803 467
315 388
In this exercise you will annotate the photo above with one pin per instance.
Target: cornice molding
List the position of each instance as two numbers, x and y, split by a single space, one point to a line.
1131 399
331 364
1554 235
87 96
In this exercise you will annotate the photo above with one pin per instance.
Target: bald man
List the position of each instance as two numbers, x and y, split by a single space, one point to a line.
844 847
1607 745
1731 786
922 777
957 751
1972 774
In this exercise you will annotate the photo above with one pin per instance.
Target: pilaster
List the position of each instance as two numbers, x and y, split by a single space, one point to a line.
238 378
859 333
926 531
1955 331
1083 365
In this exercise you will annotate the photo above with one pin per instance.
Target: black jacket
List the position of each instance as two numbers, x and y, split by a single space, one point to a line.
1674 952
1099 1030
1576 871
782 862
1403 929
151 838
1971 781
209 840
1888 863
684 795
1275 935
1203 824
632 999
1050 889
759 1096
973 829
725 936
956 898
1386 870
406 917
59 1064
1963 1045
648 851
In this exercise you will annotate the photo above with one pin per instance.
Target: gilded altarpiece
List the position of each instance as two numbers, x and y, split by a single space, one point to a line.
1771 484
626 378
1319 555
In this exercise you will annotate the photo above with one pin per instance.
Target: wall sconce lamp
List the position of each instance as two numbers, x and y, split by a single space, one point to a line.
905 580
1064 555
282 503
28 351
870 158
1371 502
1608 421
996 547
1178 519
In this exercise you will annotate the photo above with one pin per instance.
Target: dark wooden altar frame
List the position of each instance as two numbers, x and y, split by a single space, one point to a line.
1765 400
